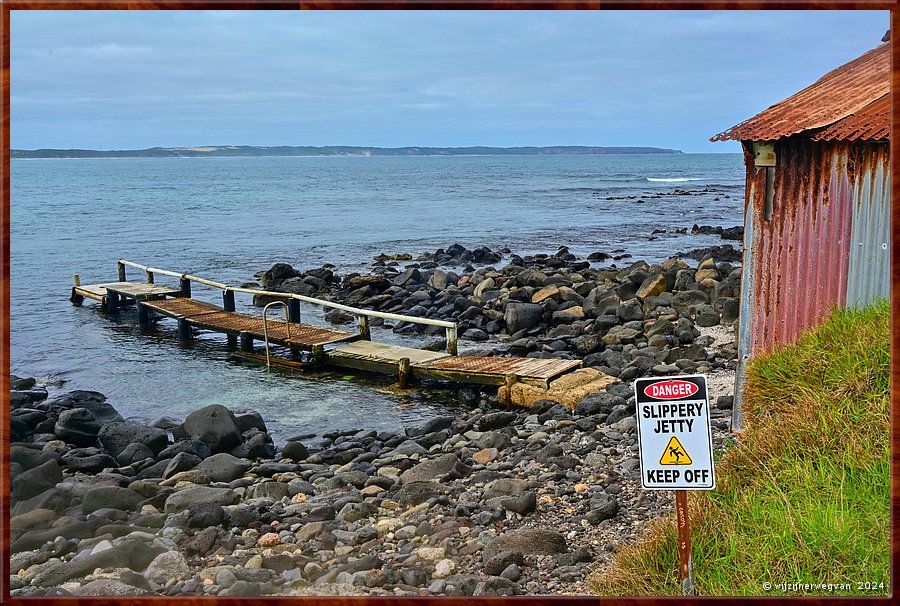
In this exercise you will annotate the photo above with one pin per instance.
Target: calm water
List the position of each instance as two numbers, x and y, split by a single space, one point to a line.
228 218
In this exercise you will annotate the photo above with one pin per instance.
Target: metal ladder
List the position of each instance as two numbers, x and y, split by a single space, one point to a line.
287 324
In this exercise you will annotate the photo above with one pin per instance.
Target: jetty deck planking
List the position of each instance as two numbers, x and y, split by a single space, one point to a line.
353 350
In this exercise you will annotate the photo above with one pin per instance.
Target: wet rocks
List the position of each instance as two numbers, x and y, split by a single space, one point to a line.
215 426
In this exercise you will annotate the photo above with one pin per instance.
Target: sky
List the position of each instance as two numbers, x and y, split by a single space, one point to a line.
672 79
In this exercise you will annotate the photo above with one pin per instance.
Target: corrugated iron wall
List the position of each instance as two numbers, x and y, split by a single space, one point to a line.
870 253
825 244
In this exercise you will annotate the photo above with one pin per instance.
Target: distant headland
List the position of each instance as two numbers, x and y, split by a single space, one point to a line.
332 150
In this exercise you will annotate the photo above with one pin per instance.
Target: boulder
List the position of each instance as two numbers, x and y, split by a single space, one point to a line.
77 426
113 497
224 467
214 425
116 436
429 470
522 316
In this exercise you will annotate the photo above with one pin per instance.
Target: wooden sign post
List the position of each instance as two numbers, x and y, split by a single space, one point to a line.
684 542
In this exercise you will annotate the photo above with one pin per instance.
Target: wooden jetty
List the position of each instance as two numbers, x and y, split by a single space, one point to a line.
328 347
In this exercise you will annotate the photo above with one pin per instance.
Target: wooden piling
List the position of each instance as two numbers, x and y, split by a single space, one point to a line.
184 330
293 311
76 280
246 341
364 329
510 381
112 302
150 279
403 368
185 287
452 341
121 271
228 300
143 316
318 354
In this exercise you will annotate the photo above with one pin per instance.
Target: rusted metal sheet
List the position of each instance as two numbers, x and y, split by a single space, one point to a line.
869 276
803 251
871 123
834 96
755 189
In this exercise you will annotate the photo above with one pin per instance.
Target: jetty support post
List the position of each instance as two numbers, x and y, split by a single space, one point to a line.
293 311
404 372
452 341
150 278
185 287
364 329
184 330
246 342
318 354
112 302
228 305
510 381
144 316
76 299
121 271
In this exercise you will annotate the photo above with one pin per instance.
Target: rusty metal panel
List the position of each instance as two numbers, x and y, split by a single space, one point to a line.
834 96
802 252
870 236
871 123
755 190
182 307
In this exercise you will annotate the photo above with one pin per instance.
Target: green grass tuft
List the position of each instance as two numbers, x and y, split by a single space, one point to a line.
803 497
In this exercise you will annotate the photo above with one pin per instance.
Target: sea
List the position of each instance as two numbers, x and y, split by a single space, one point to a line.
227 219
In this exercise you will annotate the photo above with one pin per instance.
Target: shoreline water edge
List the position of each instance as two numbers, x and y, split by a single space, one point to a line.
496 500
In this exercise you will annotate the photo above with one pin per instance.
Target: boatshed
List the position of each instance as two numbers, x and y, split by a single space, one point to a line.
816 213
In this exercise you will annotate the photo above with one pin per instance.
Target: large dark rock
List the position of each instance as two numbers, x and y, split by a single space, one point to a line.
413 493
295 451
134 453
499 561
194 447
115 437
34 481
87 460
77 426
496 420
224 467
530 541
522 316
215 425
114 497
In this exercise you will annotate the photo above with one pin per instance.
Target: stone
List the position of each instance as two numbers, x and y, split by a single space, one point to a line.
522 316
548 292
214 425
414 493
630 310
110 587
182 499
494 439
567 316
268 490
116 436
443 569
431 553
295 451
431 469
530 541
602 507
651 287
522 504
183 461
167 566
496 420
194 447
486 455
113 497
34 481
134 453
202 515
505 487
224 467
77 426
501 560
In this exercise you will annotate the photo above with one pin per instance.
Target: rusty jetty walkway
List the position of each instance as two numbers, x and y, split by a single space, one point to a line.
325 346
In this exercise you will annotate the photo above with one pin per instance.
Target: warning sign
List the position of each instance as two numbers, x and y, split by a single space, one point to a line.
675 454
674 433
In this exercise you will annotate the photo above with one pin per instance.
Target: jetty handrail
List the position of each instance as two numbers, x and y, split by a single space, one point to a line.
449 326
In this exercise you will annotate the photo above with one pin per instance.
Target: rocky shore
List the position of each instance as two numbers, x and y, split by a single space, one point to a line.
490 502
493 502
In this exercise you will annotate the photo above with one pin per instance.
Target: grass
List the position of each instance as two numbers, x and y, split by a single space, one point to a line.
804 496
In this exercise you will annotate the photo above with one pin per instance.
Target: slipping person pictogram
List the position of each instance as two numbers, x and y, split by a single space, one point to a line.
675 454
